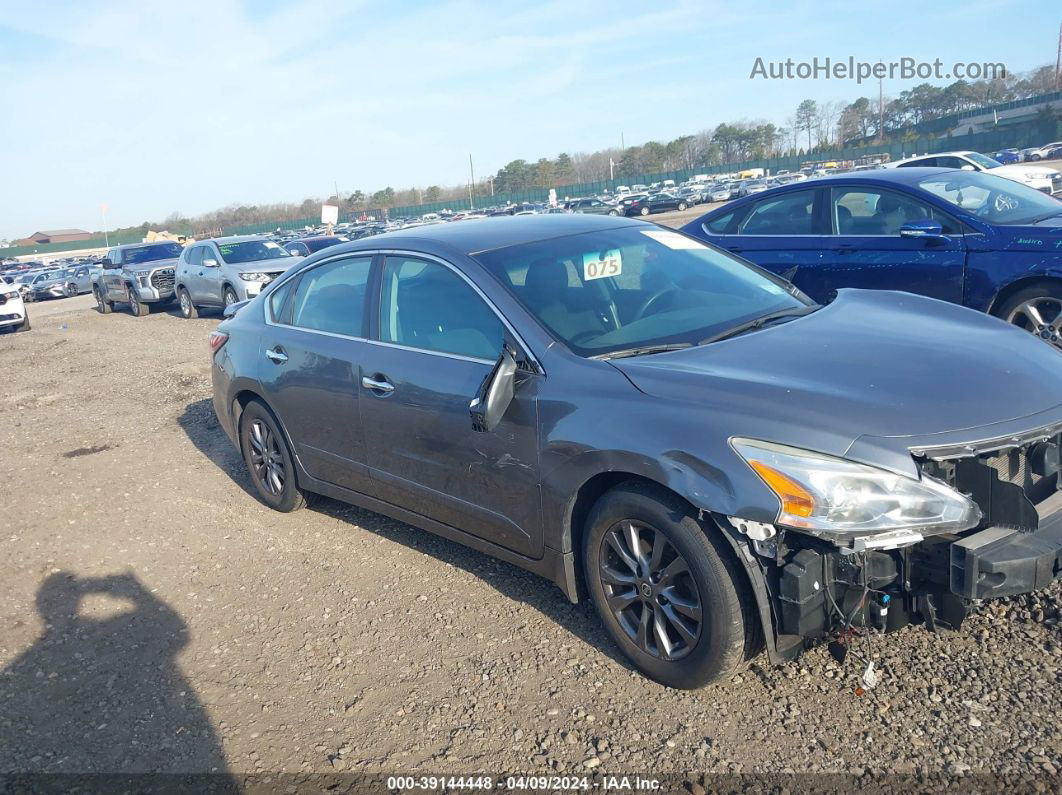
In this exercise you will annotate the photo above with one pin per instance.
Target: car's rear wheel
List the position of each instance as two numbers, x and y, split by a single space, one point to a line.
136 306
1038 310
644 211
682 205
269 461
103 306
667 591
188 309
71 290
613 212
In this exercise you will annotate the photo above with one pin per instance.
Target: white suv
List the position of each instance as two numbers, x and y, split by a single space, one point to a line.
1042 178
13 313
226 270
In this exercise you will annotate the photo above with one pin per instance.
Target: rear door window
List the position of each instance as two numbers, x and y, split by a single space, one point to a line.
332 297
790 214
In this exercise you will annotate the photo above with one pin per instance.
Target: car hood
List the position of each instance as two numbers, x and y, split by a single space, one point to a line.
877 363
153 264
1021 169
268 265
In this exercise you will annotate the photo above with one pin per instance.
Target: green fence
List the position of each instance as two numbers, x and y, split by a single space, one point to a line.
1031 133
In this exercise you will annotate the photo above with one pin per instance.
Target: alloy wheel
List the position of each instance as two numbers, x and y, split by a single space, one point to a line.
650 590
186 304
1041 316
267 463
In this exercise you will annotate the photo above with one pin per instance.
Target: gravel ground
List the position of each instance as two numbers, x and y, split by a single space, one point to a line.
154 616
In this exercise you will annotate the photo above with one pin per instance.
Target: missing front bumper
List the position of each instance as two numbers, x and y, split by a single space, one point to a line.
999 561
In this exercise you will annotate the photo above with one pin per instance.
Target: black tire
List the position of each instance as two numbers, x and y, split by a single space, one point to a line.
1047 297
136 306
613 212
71 291
727 631
644 211
289 497
29 297
1033 158
230 297
25 326
103 306
682 205
189 310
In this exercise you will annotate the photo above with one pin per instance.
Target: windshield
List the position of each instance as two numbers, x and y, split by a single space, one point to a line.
251 251
982 161
135 256
997 200
615 289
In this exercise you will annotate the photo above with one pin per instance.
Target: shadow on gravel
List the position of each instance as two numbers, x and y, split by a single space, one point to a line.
100 691
202 427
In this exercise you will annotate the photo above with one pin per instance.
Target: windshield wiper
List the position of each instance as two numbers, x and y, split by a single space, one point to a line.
752 325
1045 217
642 350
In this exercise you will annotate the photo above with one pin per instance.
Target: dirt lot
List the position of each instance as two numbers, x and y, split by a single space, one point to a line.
154 616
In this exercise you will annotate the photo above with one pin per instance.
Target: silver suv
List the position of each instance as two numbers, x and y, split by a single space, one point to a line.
139 274
226 270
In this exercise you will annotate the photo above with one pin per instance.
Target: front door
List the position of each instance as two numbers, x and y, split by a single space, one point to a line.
208 276
437 341
312 355
779 233
865 249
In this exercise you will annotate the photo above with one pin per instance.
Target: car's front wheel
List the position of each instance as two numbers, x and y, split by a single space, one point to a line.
269 461
1038 310
230 297
136 306
682 205
667 591
24 325
188 309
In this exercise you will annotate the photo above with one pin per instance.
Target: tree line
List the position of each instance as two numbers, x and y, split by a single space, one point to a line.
813 126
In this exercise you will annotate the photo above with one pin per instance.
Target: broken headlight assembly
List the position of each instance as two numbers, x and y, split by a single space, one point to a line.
839 499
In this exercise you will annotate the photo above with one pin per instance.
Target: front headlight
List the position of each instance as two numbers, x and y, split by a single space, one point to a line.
255 277
831 496
12 294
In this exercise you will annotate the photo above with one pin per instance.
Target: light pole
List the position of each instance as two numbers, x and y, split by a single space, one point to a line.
611 167
471 183
106 237
491 181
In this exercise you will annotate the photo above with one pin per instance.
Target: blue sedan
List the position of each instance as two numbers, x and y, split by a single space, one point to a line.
986 242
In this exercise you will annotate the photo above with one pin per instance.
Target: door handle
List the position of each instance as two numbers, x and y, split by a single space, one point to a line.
276 355
735 249
382 385
845 248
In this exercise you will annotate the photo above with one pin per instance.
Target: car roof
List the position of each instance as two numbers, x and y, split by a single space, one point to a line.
904 176
487 234
137 245
232 239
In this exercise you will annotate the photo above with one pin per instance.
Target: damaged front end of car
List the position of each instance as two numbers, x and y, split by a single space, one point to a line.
857 549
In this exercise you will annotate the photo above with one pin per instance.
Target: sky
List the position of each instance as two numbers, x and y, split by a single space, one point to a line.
151 108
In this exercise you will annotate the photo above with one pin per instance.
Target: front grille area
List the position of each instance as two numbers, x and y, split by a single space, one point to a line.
162 279
1007 485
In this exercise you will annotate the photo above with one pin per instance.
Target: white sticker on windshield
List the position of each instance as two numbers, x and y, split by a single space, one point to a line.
271 244
672 239
599 265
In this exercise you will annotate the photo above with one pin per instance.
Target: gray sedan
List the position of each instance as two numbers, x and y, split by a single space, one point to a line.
718 462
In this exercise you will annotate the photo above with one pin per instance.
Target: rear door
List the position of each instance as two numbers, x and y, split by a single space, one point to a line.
313 352
190 265
865 249
437 339
779 233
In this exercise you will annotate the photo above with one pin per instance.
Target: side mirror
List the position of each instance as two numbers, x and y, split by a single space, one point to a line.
923 228
495 393
968 167
210 262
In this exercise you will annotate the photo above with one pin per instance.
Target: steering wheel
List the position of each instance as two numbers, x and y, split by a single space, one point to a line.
1003 202
654 299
